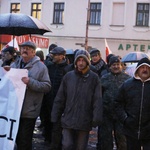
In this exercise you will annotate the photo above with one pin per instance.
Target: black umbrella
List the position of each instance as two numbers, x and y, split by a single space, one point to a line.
21 24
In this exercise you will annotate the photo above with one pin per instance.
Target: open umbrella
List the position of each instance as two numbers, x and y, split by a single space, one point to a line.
134 56
130 69
21 24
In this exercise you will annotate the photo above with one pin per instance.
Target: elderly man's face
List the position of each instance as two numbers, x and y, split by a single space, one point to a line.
144 72
116 68
27 52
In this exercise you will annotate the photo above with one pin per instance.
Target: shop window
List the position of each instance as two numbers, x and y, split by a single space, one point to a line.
58 16
142 15
118 14
36 10
15 8
95 14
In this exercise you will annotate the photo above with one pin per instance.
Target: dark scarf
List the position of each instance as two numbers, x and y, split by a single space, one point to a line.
98 65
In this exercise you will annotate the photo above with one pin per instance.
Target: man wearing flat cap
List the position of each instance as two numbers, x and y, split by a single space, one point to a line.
110 85
37 82
48 56
57 69
133 107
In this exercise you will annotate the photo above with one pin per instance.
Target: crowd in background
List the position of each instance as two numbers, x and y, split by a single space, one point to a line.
79 90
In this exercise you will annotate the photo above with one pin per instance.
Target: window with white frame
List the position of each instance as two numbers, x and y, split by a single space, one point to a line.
36 10
95 14
142 15
15 8
58 15
118 14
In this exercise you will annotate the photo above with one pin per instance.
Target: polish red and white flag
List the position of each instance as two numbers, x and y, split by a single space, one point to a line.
13 43
107 49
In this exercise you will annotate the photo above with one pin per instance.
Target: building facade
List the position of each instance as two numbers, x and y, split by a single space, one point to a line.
76 24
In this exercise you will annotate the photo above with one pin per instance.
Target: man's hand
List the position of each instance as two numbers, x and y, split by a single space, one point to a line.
7 68
25 80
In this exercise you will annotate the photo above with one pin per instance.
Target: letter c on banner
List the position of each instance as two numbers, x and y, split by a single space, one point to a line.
4 118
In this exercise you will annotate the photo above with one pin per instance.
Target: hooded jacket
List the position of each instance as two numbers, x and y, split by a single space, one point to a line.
133 107
39 84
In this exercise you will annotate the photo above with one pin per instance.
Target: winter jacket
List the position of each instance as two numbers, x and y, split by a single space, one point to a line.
110 86
39 83
133 108
56 73
78 102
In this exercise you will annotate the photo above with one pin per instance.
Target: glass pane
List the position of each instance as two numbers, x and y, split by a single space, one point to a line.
146 19
146 7
140 7
56 6
93 6
98 6
13 6
33 6
97 18
139 19
18 6
62 6
39 6
39 15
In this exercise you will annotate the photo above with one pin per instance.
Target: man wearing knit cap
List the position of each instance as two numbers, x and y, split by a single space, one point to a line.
133 107
78 103
110 85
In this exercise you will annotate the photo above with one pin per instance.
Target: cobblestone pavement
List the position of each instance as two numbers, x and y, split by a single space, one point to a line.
40 144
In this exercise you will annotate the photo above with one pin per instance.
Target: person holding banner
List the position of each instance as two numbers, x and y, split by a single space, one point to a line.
38 82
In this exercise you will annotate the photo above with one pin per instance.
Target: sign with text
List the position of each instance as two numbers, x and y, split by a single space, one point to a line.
41 42
12 91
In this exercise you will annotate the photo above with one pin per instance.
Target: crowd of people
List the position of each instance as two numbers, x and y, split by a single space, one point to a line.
72 93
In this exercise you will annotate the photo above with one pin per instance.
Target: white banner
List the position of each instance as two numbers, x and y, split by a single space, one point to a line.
12 91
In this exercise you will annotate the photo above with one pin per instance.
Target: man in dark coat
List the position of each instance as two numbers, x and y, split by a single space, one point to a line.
133 107
111 128
78 103
56 69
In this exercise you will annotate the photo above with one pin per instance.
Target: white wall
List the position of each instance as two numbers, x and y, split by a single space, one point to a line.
74 29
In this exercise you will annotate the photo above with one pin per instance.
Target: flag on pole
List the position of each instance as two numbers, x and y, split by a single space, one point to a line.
13 43
107 49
